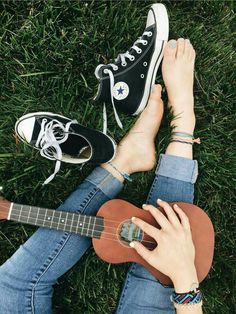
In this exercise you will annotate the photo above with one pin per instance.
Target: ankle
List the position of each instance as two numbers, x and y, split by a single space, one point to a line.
121 164
184 123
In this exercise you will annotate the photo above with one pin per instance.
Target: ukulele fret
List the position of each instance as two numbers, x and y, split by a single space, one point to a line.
70 222
94 223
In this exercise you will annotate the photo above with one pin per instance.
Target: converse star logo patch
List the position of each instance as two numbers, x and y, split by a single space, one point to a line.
120 90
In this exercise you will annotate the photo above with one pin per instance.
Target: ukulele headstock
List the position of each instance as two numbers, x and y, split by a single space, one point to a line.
5 206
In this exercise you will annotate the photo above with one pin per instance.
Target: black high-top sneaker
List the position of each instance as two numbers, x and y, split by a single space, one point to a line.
127 83
62 139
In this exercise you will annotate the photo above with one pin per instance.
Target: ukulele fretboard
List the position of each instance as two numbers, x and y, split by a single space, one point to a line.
88 226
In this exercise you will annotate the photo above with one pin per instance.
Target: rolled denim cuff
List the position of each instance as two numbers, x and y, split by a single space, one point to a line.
105 181
178 168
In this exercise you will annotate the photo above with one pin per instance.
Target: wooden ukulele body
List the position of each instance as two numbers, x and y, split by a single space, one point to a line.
112 249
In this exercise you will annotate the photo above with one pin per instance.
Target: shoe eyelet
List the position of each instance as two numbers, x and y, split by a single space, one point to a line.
45 120
145 63
116 68
105 71
149 34
139 51
145 43
132 58
124 64
142 75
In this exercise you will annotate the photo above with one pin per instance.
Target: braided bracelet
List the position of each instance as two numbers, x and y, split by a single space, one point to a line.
190 297
187 306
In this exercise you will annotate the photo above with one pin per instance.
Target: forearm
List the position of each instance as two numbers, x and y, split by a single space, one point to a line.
191 310
184 283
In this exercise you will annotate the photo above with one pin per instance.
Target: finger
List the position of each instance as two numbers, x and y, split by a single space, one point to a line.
183 217
148 229
159 217
141 250
172 217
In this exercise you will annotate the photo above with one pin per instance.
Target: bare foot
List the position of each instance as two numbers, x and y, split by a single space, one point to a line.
178 74
136 151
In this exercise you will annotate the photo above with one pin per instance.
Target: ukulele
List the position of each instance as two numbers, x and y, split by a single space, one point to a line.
112 230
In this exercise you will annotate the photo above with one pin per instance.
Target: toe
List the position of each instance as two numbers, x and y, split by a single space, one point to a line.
192 54
187 48
180 47
170 50
156 92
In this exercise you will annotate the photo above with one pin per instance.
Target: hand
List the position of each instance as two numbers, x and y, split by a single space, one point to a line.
175 252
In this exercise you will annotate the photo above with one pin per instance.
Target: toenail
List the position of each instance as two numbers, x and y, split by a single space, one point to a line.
172 44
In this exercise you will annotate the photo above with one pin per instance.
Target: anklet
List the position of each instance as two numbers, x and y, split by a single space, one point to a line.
183 134
183 142
125 175
187 140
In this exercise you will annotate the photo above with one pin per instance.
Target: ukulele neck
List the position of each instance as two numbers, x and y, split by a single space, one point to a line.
84 225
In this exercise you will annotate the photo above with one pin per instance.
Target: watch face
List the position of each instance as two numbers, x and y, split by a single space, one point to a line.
120 90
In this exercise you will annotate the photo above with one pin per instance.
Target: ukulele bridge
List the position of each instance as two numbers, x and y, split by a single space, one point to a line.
130 232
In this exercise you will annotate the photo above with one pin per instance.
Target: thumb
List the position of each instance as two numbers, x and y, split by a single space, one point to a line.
141 250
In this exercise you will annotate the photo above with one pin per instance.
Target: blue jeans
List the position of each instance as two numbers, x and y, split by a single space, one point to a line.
27 278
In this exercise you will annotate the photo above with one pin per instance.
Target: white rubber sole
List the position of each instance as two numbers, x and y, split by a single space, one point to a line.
162 22
64 158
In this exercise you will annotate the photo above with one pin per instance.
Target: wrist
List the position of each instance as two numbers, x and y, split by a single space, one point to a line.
185 281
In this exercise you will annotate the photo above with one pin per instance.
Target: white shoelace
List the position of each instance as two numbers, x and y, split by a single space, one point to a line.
50 136
122 57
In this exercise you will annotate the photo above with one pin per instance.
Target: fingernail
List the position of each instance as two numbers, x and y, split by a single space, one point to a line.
159 200
131 244
176 205
153 88
172 44
188 41
181 39
133 218
144 205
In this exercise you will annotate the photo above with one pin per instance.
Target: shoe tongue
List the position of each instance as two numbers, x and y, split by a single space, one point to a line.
38 124
35 134
76 146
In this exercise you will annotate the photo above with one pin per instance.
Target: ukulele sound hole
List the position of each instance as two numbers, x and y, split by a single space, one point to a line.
130 232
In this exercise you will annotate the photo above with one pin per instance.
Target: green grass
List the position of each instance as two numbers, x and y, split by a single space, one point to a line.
48 53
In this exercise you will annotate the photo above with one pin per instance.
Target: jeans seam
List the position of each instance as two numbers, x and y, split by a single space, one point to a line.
64 239
125 287
51 259
151 190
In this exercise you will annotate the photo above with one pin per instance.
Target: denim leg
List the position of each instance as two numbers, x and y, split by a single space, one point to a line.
142 293
26 279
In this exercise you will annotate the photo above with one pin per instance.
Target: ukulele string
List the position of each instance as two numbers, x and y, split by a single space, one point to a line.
85 229
60 211
97 217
